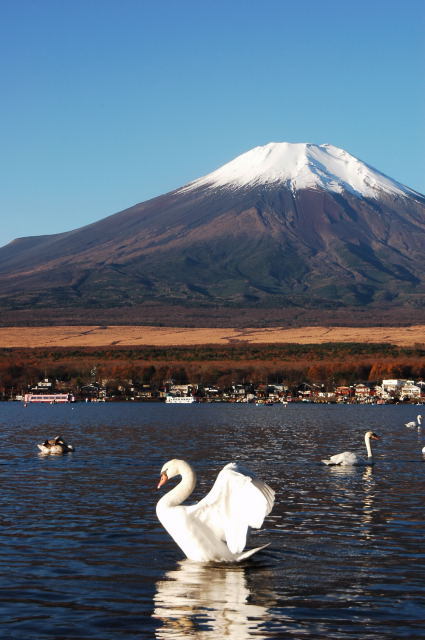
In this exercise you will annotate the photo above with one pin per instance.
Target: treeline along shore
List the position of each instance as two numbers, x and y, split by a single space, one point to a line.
118 368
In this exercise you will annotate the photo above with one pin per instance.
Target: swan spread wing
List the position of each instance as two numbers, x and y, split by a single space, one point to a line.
236 502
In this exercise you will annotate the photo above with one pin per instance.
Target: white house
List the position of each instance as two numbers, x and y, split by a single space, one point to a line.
410 391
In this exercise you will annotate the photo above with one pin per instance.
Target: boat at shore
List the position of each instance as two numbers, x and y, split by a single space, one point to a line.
169 399
50 398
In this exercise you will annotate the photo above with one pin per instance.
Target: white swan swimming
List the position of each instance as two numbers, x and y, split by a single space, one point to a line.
413 423
214 529
55 446
348 458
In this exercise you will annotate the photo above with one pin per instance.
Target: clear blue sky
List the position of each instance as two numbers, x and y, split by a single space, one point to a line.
106 103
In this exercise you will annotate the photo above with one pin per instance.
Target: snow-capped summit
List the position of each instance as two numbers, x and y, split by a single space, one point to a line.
302 166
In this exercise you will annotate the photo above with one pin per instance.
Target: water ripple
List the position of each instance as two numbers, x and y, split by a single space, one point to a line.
82 555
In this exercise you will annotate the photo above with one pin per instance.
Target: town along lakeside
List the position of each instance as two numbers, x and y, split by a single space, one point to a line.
331 372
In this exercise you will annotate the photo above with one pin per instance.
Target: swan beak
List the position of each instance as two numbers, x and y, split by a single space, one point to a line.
375 437
163 479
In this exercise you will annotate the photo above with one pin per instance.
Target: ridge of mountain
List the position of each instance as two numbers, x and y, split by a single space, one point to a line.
284 227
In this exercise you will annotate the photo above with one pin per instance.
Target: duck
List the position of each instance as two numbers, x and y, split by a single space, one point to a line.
55 446
414 423
348 458
214 529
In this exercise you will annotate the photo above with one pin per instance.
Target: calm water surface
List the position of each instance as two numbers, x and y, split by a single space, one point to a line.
82 555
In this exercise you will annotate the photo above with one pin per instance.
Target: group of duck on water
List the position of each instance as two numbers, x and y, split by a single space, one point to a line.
215 529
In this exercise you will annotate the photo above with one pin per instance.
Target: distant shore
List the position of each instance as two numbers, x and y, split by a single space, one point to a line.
120 336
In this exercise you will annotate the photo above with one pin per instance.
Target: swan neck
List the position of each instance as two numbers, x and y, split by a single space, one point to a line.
183 489
368 447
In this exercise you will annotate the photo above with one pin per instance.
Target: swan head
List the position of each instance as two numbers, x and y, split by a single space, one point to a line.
174 468
371 435
169 470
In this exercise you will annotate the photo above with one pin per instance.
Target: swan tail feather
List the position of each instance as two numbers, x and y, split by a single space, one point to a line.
250 552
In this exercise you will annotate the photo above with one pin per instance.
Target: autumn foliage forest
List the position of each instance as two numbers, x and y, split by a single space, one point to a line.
326 364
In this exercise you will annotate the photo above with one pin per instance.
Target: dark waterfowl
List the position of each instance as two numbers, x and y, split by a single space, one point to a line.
55 446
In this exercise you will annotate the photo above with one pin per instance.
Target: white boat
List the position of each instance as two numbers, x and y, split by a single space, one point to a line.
50 398
180 399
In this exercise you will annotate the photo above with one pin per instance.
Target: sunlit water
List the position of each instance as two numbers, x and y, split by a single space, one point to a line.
83 556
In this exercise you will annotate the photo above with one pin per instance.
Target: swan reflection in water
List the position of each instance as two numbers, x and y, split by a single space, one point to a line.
336 470
362 496
369 511
208 601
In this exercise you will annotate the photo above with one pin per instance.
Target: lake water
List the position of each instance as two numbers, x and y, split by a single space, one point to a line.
83 556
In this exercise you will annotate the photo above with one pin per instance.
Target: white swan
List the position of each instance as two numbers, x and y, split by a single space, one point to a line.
348 458
413 423
214 529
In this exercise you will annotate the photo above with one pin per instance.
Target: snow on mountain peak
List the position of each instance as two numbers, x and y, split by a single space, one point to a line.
301 166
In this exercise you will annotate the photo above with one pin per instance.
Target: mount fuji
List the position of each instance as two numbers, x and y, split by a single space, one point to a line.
282 230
